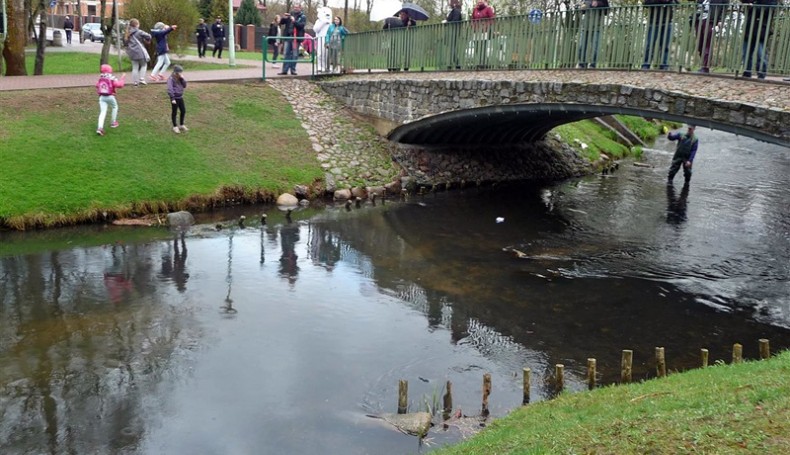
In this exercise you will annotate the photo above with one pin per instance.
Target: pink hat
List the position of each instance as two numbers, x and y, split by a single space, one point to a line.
106 68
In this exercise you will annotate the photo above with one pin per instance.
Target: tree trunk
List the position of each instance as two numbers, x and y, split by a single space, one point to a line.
107 26
41 43
14 48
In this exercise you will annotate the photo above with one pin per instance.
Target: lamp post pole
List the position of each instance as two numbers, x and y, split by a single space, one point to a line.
231 40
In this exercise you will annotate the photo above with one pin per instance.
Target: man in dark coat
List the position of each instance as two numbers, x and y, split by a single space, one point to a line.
453 21
684 155
293 27
68 26
218 33
201 33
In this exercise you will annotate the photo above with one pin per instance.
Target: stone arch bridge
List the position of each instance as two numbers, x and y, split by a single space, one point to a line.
513 107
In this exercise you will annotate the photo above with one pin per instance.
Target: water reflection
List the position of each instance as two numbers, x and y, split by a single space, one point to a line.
677 205
117 347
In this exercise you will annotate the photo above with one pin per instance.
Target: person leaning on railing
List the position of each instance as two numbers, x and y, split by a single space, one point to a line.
709 14
592 23
454 18
482 19
659 30
758 28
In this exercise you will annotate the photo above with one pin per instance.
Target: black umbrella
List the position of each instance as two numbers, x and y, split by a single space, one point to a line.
414 11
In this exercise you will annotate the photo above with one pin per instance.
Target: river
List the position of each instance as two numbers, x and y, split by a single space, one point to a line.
285 337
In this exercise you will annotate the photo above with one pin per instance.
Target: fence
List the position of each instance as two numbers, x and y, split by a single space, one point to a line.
630 37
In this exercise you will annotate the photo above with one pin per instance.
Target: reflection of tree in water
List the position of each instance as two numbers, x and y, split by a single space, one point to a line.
289 235
76 371
325 246
174 268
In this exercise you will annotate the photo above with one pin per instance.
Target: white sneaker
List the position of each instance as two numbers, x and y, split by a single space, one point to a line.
176 130
183 128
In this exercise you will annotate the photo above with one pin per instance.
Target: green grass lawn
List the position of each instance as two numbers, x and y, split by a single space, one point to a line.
726 409
244 141
89 62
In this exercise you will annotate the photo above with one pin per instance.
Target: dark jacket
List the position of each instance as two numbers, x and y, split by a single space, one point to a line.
660 10
201 31
601 6
68 24
274 30
392 22
161 40
758 18
294 25
218 31
687 146
455 15
175 87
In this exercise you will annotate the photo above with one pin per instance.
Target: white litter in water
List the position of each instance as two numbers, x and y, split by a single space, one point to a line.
499 219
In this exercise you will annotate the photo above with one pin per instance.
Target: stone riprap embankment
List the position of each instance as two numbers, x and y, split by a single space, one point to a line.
351 153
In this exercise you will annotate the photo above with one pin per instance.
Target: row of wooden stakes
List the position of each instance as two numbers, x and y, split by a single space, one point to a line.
559 375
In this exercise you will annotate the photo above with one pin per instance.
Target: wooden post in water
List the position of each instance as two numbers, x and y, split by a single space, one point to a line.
403 396
704 356
448 400
765 349
591 373
737 353
559 374
526 384
626 365
661 363
486 392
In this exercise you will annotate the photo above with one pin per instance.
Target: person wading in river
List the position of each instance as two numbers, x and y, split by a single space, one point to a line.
684 153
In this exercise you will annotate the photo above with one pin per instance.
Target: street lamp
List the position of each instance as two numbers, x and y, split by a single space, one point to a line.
231 40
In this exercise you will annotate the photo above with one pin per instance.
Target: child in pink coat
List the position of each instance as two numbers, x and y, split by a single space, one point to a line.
105 88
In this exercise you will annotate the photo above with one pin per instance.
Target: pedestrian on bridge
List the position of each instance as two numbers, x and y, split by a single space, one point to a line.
759 16
593 12
659 31
709 15
684 154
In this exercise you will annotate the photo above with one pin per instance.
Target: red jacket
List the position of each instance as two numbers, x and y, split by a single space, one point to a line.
482 18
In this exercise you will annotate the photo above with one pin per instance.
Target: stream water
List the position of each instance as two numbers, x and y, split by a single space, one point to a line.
285 337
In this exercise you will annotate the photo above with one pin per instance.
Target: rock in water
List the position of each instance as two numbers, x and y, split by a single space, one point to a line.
415 423
180 221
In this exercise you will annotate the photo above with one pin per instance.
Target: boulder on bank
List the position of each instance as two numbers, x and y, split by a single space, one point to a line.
342 195
287 200
180 221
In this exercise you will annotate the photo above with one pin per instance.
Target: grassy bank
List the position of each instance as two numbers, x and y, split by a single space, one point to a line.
244 144
726 409
88 63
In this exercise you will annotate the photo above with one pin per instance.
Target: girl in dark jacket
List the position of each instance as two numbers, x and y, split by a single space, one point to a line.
160 32
176 85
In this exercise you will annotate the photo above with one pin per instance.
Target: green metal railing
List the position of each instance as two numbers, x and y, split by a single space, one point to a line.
568 40
266 45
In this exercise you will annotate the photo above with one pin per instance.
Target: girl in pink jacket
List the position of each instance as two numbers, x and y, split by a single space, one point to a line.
105 88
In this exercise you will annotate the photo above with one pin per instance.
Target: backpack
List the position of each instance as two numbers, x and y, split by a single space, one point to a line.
104 86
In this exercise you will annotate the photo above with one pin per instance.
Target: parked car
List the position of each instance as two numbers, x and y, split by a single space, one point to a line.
92 31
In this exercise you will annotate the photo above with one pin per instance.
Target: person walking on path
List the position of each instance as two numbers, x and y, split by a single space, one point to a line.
218 33
201 32
176 84
136 40
273 38
160 32
685 152
659 31
105 88
294 24
68 26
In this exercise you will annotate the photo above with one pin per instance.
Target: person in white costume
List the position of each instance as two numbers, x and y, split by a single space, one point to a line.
321 26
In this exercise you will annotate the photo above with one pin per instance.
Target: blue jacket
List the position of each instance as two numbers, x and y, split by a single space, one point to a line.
161 40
